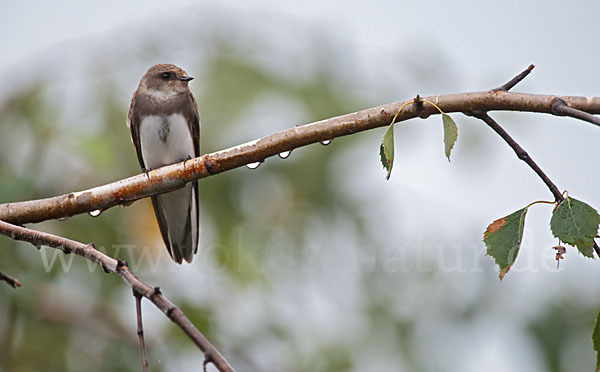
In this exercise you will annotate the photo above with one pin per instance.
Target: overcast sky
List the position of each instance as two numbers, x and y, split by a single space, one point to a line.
481 37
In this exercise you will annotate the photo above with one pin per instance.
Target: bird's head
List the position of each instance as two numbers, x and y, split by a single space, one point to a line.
165 80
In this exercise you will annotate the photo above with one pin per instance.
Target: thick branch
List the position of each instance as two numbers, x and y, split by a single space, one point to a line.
175 176
120 268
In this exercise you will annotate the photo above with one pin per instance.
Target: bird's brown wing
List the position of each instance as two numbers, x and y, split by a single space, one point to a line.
133 123
194 122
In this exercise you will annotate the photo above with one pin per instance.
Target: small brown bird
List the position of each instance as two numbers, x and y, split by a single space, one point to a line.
165 129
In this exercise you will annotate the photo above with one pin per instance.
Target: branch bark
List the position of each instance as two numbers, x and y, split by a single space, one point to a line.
177 175
139 288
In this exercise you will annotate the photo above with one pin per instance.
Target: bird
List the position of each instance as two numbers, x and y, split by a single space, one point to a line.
165 129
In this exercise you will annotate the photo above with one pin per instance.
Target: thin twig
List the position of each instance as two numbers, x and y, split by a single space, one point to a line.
514 81
561 108
13 282
140 330
177 175
120 268
523 155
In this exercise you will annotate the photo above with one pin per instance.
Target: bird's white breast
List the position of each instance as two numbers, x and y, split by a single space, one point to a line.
165 140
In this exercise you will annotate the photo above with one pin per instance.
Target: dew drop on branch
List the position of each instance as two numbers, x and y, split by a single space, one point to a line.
253 165
326 142
95 213
284 154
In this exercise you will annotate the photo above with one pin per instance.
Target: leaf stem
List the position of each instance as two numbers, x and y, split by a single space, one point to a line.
539 202
400 109
433 104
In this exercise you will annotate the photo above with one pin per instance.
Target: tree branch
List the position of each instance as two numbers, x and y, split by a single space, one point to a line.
120 268
140 330
13 282
177 175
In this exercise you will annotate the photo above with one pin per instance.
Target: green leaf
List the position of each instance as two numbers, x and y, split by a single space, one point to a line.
576 223
450 134
386 150
503 239
596 341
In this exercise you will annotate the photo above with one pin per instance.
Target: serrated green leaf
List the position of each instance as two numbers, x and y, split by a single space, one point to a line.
450 134
596 341
503 239
576 223
386 150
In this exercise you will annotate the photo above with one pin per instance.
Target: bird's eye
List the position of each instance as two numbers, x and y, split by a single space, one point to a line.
165 75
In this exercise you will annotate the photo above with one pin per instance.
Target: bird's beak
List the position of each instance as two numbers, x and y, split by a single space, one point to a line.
186 78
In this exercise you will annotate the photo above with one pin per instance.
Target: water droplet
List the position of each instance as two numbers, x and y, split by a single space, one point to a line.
326 142
64 218
253 165
284 154
95 213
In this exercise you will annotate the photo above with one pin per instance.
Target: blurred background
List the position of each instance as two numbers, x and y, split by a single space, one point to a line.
315 262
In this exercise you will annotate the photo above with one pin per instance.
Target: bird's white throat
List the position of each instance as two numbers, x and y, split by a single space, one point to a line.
160 93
